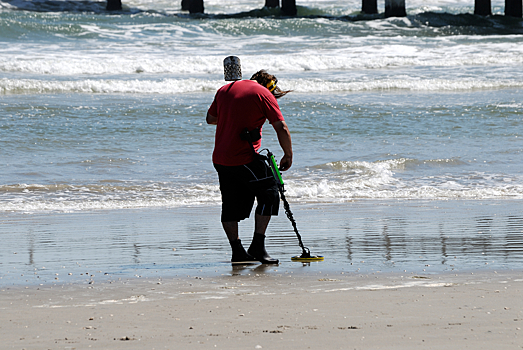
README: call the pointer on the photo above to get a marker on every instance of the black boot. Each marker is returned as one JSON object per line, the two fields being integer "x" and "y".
{"x": 239, "y": 255}
{"x": 257, "y": 249}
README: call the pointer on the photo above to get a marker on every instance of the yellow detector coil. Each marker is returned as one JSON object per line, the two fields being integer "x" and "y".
{"x": 311, "y": 258}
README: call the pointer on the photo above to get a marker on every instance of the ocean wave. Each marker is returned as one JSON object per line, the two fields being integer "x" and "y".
{"x": 328, "y": 192}
{"x": 388, "y": 165}
{"x": 326, "y": 183}
{"x": 393, "y": 56}
{"x": 175, "y": 86}
{"x": 407, "y": 84}
{"x": 122, "y": 195}
{"x": 164, "y": 86}
{"x": 400, "y": 178}
{"x": 379, "y": 181}
{"x": 70, "y": 66}
{"x": 320, "y": 191}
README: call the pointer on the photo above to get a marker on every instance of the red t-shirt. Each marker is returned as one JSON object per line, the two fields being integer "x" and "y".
{"x": 239, "y": 105}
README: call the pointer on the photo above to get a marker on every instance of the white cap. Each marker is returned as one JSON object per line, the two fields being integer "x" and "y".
{"x": 232, "y": 68}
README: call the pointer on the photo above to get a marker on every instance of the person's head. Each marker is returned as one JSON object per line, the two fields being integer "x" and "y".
{"x": 232, "y": 68}
{"x": 269, "y": 81}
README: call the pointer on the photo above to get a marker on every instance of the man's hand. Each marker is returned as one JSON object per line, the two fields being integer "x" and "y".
{"x": 284, "y": 138}
{"x": 285, "y": 163}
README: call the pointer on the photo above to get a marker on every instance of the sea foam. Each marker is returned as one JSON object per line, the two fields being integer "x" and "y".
{"x": 175, "y": 86}
{"x": 387, "y": 57}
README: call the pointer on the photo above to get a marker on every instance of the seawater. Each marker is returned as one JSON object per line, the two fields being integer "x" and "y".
{"x": 106, "y": 111}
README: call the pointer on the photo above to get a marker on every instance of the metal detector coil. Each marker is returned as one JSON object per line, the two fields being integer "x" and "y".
{"x": 311, "y": 258}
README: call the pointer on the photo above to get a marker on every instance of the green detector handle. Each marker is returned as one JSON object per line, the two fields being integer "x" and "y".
{"x": 275, "y": 170}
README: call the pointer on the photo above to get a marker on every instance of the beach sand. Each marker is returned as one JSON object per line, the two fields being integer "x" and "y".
{"x": 252, "y": 309}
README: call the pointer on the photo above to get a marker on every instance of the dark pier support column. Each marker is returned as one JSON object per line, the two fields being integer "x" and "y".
{"x": 114, "y": 5}
{"x": 395, "y": 8}
{"x": 272, "y": 3}
{"x": 288, "y": 7}
{"x": 369, "y": 7}
{"x": 193, "y": 6}
{"x": 513, "y": 8}
{"x": 482, "y": 7}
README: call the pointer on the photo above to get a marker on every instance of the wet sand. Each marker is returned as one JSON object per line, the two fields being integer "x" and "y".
{"x": 253, "y": 309}
{"x": 362, "y": 237}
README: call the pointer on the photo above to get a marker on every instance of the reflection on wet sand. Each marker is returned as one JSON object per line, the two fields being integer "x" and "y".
{"x": 398, "y": 240}
{"x": 360, "y": 236}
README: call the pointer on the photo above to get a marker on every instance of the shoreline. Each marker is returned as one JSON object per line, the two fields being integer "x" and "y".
{"x": 358, "y": 311}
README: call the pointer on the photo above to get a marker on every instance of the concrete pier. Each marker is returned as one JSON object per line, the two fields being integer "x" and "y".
{"x": 395, "y": 8}
{"x": 482, "y": 7}
{"x": 288, "y": 7}
{"x": 369, "y": 7}
{"x": 513, "y": 8}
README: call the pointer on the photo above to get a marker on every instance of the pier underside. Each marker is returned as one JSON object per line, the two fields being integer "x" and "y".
{"x": 393, "y": 8}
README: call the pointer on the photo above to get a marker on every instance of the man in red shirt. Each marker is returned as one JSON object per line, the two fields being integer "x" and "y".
{"x": 240, "y": 105}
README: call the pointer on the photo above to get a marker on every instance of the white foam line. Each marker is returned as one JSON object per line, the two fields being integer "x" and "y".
{"x": 131, "y": 300}
{"x": 174, "y": 86}
{"x": 63, "y": 306}
{"x": 214, "y": 297}
{"x": 384, "y": 287}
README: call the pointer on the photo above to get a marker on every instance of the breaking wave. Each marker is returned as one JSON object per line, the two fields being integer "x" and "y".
{"x": 324, "y": 183}
{"x": 175, "y": 86}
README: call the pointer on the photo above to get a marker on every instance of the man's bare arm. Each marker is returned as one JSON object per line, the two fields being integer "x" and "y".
{"x": 284, "y": 138}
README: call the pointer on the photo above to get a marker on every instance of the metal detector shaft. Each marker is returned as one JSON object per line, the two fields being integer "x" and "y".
{"x": 275, "y": 170}
{"x": 288, "y": 212}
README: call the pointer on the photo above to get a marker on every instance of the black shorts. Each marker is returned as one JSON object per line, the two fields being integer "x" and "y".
{"x": 239, "y": 186}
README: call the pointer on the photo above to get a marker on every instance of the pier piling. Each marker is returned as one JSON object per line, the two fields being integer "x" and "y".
{"x": 193, "y": 6}
{"x": 288, "y": 7}
{"x": 113, "y": 5}
{"x": 395, "y": 8}
{"x": 513, "y": 8}
{"x": 369, "y": 6}
{"x": 482, "y": 8}
{"x": 272, "y": 3}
